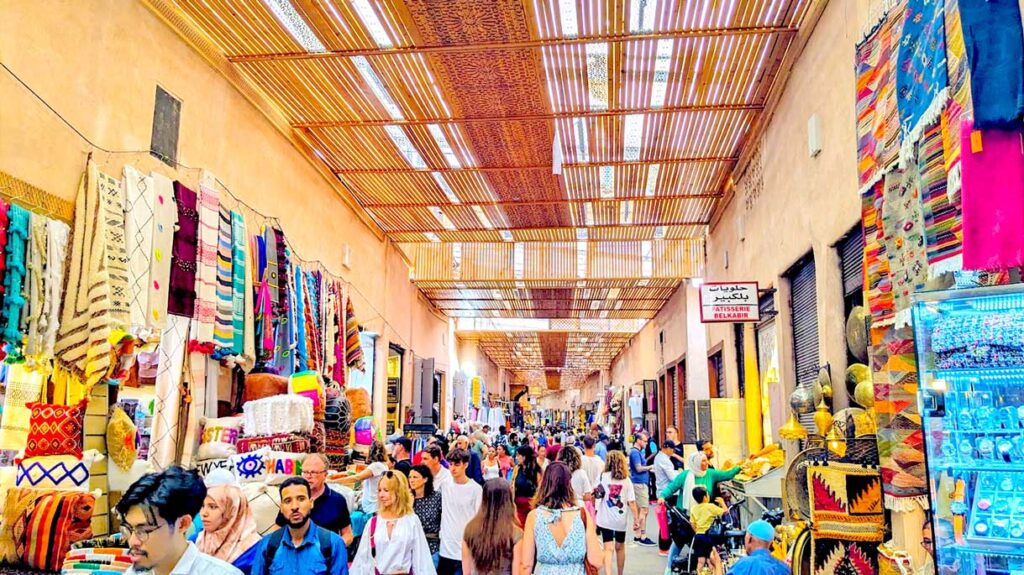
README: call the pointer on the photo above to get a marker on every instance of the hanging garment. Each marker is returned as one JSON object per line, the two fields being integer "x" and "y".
{"x": 165, "y": 217}
{"x": 995, "y": 49}
{"x": 57, "y": 236}
{"x": 182, "y": 297}
{"x": 163, "y": 444}
{"x": 263, "y": 310}
{"x": 14, "y": 278}
{"x": 993, "y": 198}
{"x": 223, "y": 331}
{"x": 922, "y": 83}
{"x": 23, "y": 387}
{"x": 83, "y": 345}
{"x": 4, "y": 208}
{"x": 248, "y": 358}
{"x": 353, "y": 350}
{"x": 139, "y": 220}
{"x": 35, "y": 316}
{"x": 237, "y": 283}
{"x": 206, "y": 263}
{"x": 284, "y": 357}
{"x": 112, "y": 199}
{"x": 301, "y": 351}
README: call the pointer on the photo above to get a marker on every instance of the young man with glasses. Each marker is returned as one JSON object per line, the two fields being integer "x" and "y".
{"x": 156, "y": 513}
{"x": 461, "y": 500}
{"x": 330, "y": 510}
{"x": 300, "y": 548}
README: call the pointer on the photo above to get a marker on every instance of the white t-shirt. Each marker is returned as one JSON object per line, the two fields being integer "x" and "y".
{"x": 594, "y": 466}
{"x": 613, "y": 510}
{"x": 580, "y": 485}
{"x": 370, "y": 486}
{"x": 636, "y": 407}
{"x": 664, "y": 471}
{"x": 461, "y": 502}
{"x": 491, "y": 472}
{"x": 442, "y": 478}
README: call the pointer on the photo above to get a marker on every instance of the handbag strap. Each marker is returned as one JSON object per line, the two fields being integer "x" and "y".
{"x": 373, "y": 544}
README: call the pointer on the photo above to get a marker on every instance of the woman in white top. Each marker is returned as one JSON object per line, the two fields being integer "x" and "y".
{"x": 612, "y": 520}
{"x": 490, "y": 465}
{"x": 378, "y": 464}
{"x": 393, "y": 541}
{"x": 581, "y": 486}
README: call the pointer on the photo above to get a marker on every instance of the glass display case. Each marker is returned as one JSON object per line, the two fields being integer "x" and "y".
{"x": 970, "y": 358}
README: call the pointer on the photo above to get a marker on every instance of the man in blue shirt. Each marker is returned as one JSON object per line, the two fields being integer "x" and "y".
{"x": 601, "y": 448}
{"x": 759, "y": 561}
{"x": 300, "y": 548}
{"x": 640, "y": 475}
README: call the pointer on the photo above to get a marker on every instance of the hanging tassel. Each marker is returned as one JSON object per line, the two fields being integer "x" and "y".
{"x": 556, "y": 154}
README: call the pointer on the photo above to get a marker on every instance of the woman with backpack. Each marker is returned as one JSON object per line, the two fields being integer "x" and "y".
{"x": 393, "y": 542}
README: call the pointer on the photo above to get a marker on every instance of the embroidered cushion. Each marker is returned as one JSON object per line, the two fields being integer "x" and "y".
{"x": 251, "y": 467}
{"x": 55, "y": 429}
{"x": 219, "y": 438}
{"x": 289, "y": 442}
{"x": 278, "y": 414}
{"x": 204, "y": 467}
{"x": 282, "y": 465}
{"x": 265, "y": 504}
{"x": 60, "y": 472}
{"x": 58, "y": 519}
{"x": 122, "y": 441}
{"x": 318, "y": 438}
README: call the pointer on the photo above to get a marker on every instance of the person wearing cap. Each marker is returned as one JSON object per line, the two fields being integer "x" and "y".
{"x": 400, "y": 453}
{"x": 759, "y": 560}
{"x": 601, "y": 449}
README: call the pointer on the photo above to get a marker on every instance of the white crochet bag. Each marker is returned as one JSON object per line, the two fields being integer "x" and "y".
{"x": 278, "y": 414}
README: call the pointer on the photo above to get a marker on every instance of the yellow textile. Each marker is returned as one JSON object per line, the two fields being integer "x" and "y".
{"x": 23, "y": 386}
{"x": 68, "y": 388}
{"x": 703, "y": 516}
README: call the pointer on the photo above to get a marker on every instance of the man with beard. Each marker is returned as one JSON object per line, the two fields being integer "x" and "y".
{"x": 156, "y": 514}
{"x": 301, "y": 547}
{"x": 330, "y": 510}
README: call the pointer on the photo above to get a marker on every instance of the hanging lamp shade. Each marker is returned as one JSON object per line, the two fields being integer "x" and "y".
{"x": 793, "y": 429}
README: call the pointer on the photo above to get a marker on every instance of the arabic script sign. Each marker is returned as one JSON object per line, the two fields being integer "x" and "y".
{"x": 729, "y": 302}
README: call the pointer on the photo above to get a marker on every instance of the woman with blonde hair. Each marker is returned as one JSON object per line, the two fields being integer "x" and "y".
{"x": 393, "y": 541}
{"x": 615, "y": 493}
{"x": 229, "y": 528}
{"x": 492, "y": 542}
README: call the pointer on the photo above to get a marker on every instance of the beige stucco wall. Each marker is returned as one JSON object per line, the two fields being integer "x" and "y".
{"x": 644, "y": 356}
{"x": 98, "y": 63}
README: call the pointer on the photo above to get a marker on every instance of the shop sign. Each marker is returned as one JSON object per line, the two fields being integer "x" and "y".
{"x": 734, "y": 302}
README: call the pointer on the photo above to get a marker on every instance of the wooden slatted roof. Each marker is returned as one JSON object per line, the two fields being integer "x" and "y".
{"x": 442, "y": 119}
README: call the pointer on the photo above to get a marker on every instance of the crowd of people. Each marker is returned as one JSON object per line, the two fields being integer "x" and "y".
{"x": 542, "y": 502}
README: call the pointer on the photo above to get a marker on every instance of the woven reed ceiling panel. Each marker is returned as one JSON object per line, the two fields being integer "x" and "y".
{"x": 444, "y": 118}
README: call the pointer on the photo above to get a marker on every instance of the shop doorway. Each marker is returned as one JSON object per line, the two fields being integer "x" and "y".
{"x": 393, "y": 414}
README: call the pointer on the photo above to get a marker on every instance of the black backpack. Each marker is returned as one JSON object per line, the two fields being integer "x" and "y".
{"x": 326, "y": 549}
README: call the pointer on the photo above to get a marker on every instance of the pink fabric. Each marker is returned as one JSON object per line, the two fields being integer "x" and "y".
{"x": 662, "y": 513}
{"x": 993, "y": 199}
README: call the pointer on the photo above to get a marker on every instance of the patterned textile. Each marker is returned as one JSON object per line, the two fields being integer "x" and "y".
{"x": 877, "y": 118}
{"x": 4, "y": 208}
{"x": 921, "y": 78}
{"x": 248, "y": 359}
{"x": 846, "y": 502}
{"x": 299, "y": 319}
{"x": 307, "y": 384}
{"x": 165, "y": 217}
{"x": 14, "y": 278}
{"x": 182, "y": 291}
{"x": 83, "y": 346}
{"x": 278, "y": 414}
{"x": 163, "y": 446}
{"x": 55, "y": 429}
{"x": 876, "y": 262}
{"x": 281, "y": 465}
{"x": 35, "y": 317}
{"x": 112, "y": 199}
{"x": 264, "y": 312}
{"x": 238, "y": 274}
{"x": 122, "y": 443}
{"x": 318, "y": 437}
{"x": 839, "y": 557}
{"x": 139, "y": 220}
{"x": 223, "y": 331}
{"x": 995, "y": 48}
{"x": 206, "y": 258}
{"x": 97, "y": 560}
{"x": 993, "y": 198}
{"x": 289, "y": 442}
{"x": 62, "y": 472}
{"x": 960, "y": 96}
{"x": 57, "y": 237}
{"x": 336, "y": 441}
{"x": 219, "y": 438}
{"x": 942, "y": 220}
{"x": 18, "y": 505}
{"x": 353, "y": 349}
{"x": 23, "y": 387}
{"x": 205, "y": 467}
{"x": 57, "y": 520}
{"x": 903, "y": 236}
{"x": 251, "y": 466}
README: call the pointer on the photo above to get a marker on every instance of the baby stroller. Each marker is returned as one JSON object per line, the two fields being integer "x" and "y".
{"x": 681, "y": 532}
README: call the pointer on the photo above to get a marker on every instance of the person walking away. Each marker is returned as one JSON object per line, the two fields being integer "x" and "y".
{"x": 474, "y": 471}
{"x": 702, "y": 517}
{"x": 581, "y": 486}
{"x": 301, "y": 547}
{"x": 229, "y": 528}
{"x": 525, "y": 480}
{"x": 377, "y": 464}
{"x": 394, "y": 540}
{"x": 492, "y": 543}
{"x": 601, "y": 449}
{"x": 639, "y": 474}
{"x": 427, "y": 504}
{"x": 156, "y": 514}
{"x": 330, "y": 509}
{"x": 759, "y": 560}
{"x": 558, "y": 536}
{"x": 490, "y": 465}
{"x": 614, "y": 494}
{"x": 400, "y": 453}
{"x": 664, "y": 472}
{"x": 461, "y": 502}
{"x": 432, "y": 459}
{"x": 505, "y": 461}
{"x": 591, "y": 463}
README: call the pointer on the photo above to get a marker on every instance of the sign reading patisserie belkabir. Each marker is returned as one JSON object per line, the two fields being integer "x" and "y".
{"x": 732, "y": 302}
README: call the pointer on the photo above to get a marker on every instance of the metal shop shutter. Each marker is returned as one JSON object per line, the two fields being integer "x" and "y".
{"x": 804, "y": 302}
{"x": 851, "y": 259}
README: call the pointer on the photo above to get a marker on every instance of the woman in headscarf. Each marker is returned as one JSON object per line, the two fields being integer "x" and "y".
{"x": 229, "y": 528}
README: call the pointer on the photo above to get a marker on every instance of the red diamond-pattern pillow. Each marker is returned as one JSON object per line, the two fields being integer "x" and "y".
{"x": 55, "y": 429}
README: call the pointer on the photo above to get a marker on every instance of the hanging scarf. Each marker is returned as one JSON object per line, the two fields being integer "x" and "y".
{"x": 4, "y": 208}
{"x": 140, "y": 199}
{"x": 14, "y": 302}
{"x": 57, "y": 236}
{"x": 206, "y": 273}
{"x": 165, "y": 216}
{"x": 993, "y": 198}
{"x": 312, "y": 295}
{"x": 163, "y": 446}
{"x": 264, "y": 306}
{"x": 35, "y": 318}
{"x": 353, "y": 349}
{"x": 237, "y": 532}
{"x": 284, "y": 357}
{"x": 223, "y": 331}
{"x": 995, "y": 49}
{"x": 695, "y": 469}
{"x": 112, "y": 199}
{"x": 301, "y": 350}
{"x": 83, "y": 345}
{"x": 237, "y": 283}
{"x": 182, "y": 298}
{"x": 248, "y": 358}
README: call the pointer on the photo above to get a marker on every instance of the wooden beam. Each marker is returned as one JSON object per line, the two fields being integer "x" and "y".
{"x": 518, "y": 45}
{"x": 673, "y": 161}
{"x": 595, "y": 201}
{"x": 532, "y": 117}
{"x": 441, "y": 228}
